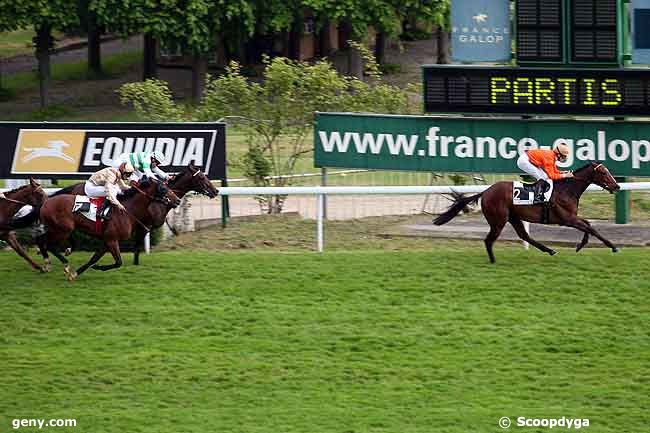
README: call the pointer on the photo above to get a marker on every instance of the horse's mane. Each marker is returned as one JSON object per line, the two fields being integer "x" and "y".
{"x": 66, "y": 190}
{"x": 144, "y": 183}
{"x": 586, "y": 166}
{"x": 175, "y": 179}
{"x": 18, "y": 189}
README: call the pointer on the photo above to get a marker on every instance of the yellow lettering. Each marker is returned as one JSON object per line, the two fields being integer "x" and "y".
{"x": 613, "y": 93}
{"x": 544, "y": 88}
{"x": 567, "y": 88}
{"x": 589, "y": 92}
{"x": 518, "y": 92}
{"x": 498, "y": 85}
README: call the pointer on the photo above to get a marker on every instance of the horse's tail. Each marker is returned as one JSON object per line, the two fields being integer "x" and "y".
{"x": 66, "y": 190}
{"x": 459, "y": 204}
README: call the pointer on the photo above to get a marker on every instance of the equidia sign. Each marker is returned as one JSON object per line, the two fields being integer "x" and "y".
{"x": 72, "y": 150}
{"x": 483, "y": 145}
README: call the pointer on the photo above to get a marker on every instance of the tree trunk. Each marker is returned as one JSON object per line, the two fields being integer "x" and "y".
{"x": 149, "y": 69}
{"x": 294, "y": 40}
{"x": 355, "y": 63}
{"x": 94, "y": 45}
{"x": 380, "y": 48}
{"x": 43, "y": 47}
{"x": 434, "y": 44}
{"x": 324, "y": 40}
{"x": 221, "y": 56}
{"x": 444, "y": 51}
{"x": 199, "y": 70}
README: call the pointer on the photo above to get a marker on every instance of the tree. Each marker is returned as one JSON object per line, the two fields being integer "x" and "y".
{"x": 277, "y": 114}
{"x": 45, "y": 16}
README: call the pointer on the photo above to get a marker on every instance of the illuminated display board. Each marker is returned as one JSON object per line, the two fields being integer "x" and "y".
{"x": 472, "y": 89}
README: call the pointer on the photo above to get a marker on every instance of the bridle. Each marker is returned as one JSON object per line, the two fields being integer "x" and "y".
{"x": 163, "y": 200}
{"x": 11, "y": 200}
{"x": 176, "y": 191}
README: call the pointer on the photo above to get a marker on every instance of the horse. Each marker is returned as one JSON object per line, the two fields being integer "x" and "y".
{"x": 497, "y": 207}
{"x": 59, "y": 220}
{"x": 31, "y": 194}
{"x": 190, "y": 179}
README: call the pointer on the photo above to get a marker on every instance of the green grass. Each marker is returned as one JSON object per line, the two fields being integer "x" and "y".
{"x": 19, "y": 42}
{"x": 364, "y": 341}
{"x": 113, "y": 65}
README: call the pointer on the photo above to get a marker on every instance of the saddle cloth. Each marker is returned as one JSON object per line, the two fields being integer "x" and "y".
{"x": 88, "y": 207}
{"x": 523, "y": 194}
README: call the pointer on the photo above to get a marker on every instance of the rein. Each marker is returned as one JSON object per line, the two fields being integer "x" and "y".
{"x": 18, "y": 201}
{"x": 143, "y": 225}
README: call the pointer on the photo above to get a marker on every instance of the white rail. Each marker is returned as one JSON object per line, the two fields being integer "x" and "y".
{"x": 322, "y": 191}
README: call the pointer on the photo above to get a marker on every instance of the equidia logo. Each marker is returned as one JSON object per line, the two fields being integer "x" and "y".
{"x": 54, "y": 149}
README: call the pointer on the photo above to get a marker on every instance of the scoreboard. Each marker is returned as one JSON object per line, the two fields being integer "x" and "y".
{"x": 522, "y": 90}
{"x": 567, "y": 31}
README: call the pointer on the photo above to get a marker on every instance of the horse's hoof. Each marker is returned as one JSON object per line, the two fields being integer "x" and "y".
{"x": 616, "y": 250}
{"x": 553, "y": 253}
{"x": 67, "y": 252}
{"x": 46, "y": 268}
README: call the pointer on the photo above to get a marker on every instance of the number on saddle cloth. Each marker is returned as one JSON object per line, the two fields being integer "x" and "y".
{"x": 523, "y": 194}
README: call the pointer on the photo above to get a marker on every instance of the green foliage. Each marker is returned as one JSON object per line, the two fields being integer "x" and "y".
{"x": 151, "y": 100}
{"x": 276, "y": 114}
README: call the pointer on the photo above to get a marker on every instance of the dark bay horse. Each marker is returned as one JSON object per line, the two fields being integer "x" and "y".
{"x": 31, "y": 194}
{"x": 190, "y": 179}
{"x": 498, "y": 209}
{"x": 59, "y": 220}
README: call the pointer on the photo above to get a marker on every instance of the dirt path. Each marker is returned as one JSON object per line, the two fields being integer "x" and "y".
{"x": 28, "y": 63}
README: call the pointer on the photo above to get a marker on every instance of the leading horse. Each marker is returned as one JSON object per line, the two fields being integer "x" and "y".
{"x": 189, "y": 179}
{"x": 59, "y": 220}
{"x": 498, "y": 208}
{"x": 31, "y": 194}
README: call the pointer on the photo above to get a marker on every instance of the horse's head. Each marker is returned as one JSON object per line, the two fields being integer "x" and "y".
{"x": 193, "y": 179}
{"x": 33, "y": 194}
{"x": 201, "y": 183}
{"x": 165, "y": 195}
{"x": 603, "y": 178}
{"x": 159, "y": 192}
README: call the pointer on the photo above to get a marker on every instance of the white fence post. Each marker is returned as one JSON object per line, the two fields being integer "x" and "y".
{"x": 319, "y": 221}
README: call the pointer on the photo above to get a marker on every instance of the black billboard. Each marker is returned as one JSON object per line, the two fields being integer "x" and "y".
{"x": 77, "y": 150}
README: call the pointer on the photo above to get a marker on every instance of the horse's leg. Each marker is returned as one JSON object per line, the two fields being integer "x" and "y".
{"x": 114, "y": 248}
{"x": 10, "y": 238}
{"x": 41, "y": 242}
{"x": 516, "y": 223}
{"x": 585, "y": 226}
{"x": 94, "y": 259}
{"x": 497, "y": 219}
{"x": 139, "y": 241}
{"x": 583, "y": 242}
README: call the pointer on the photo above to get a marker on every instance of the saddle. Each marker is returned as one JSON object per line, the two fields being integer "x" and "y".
{"x": 88, "y": 207}
{"x": 531, "y": 193}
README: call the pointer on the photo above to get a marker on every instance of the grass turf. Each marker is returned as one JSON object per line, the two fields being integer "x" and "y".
{"x": 363, "y": 341}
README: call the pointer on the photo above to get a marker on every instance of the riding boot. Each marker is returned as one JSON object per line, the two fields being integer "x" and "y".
{"x": 105, "y": 211}
{"x": 541, "y": 186}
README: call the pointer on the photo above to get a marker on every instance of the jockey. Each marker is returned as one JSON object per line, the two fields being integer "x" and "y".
{"x": 145, "y": 164}
{"x": 540, "y": 163}
{"x": 109, "y": 182}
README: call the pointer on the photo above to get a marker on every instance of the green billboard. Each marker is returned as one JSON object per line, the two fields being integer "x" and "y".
{"x": 481, "y": 145}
